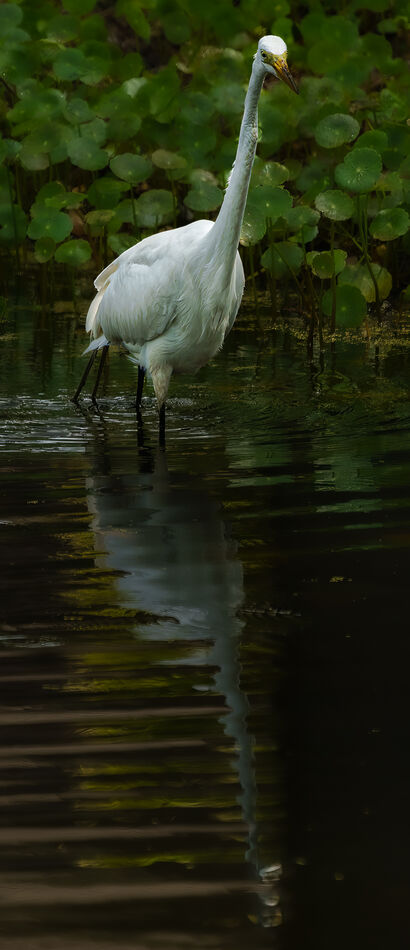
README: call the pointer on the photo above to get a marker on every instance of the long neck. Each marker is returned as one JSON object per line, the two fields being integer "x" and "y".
{"x": 224, "y": 236}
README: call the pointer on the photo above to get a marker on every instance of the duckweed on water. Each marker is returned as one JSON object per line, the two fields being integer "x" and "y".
{"x": 118, "y": 121}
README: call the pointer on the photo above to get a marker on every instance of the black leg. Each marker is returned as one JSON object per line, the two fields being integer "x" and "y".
{"x": 84, "y": 376}
{"x": 140, "y": 386}
{"x": 103, "y": 358}
{"x": 162, "y": 425}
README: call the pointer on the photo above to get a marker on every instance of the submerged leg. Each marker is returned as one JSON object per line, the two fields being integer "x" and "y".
{"x": 140, "y": 386}
{"x": 103, "y": 358}
{"x": 84, "y": 376}
{"x": 162, "y": 424}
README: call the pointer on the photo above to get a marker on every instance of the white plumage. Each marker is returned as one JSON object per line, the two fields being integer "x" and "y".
{"x": 171, "y": 299}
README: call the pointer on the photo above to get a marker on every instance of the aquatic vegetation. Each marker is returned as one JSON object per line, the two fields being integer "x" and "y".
{"x": 118, "y": 121}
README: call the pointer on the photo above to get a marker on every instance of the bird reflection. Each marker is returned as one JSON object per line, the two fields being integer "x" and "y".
{"x": 165, "y": 541}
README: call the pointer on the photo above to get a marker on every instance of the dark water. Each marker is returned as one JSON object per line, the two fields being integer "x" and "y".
{"x": 204, "y": 723}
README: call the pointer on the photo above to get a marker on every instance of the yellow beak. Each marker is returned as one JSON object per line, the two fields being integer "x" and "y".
{"x": 281, "y": 68}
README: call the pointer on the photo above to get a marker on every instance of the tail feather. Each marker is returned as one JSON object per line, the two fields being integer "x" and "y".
{"x": 91, "y": 323}
{"x": 97, "y": 344}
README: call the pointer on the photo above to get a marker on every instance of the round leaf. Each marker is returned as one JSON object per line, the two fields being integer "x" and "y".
{"x": 204, "y": 197}
{"x": 357, "y": 275}
{"x": 324, "y": 264}
{"x": 86, "y": 154}
{"x": 78, "y": 110}
{"x": 301, "y": 216}
{"x": 253, "y": 227}
{"x": 154, "y": 208}
{"x": 50, "y": 223}
{"x": 270, "y": 202}
{"x": 360, "y": 170}
{"x": 390, "y": 224}
{"x": 269, "y": 173}
{"x": 283, "y": 258}
{"x": 374, "y": 138}
{"x": 335, "y": 204}
{"x": 169, "y": 161}
{"x": 44, "y": 249}
{"x": 73, "y": 252}
{"x": 106, "y": 192}
{"x": 335, "y": 130}
{"x": 131, "y": 168}
{"x": 350, "y": 306}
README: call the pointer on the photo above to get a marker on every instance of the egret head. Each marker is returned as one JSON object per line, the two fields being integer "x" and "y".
{"x": 272, "y": 54}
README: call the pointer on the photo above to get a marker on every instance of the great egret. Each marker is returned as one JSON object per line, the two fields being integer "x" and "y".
{"x": 171, "y": 299}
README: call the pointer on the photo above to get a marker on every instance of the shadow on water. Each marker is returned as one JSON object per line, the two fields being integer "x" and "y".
{"x": 204, "y": 723}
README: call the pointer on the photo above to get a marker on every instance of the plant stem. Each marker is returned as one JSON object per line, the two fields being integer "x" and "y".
{"x": 333, "y": 282}
{"x": 362, "y": 218}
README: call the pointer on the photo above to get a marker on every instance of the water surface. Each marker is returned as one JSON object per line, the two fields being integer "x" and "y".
{"x": 204, "y": 646}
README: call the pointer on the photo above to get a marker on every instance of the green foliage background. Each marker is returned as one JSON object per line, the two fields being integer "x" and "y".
{"x": 121, "y": 119}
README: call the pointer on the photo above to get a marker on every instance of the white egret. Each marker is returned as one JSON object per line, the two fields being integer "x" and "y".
{"x": 171, "y": 299}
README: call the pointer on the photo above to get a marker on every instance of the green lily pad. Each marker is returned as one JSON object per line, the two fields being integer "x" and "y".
{"x": 301, "y": 216}
{"x": 86, "y": 154}
{"x": 78, "y": 110}
{"x": 62, "y": 28}
{"x": 70, "y": 64}
{"x": 9, "y": 149}
{"x": 170, "y": 161}
{"x": 106, "y": 192}
{"x": 44, "y": 249}
{"x": 120, "y": 242}
{"x": 74, "y": 252}
{"x": 360, "y": 170}
{"x": 154, "y": 208}
{"x": 204, "y": 197}
{"x": 335, "y": 130}
{"x": 123, "y": 128}
{"x": 10, "y": 16}
{"x": 270, "y": 202}
{"x": 176, "y": 27}
{"x": 374, "y": 138}
{"x": 350, "y": 306}
{"x": 335, "y": 204}
{"x": 197, "y": 108}
{"x": 131, "y": 168}
{"x": 99, "y": 218}
{"x": 269, "y": 173}
{"x": 253, "y": 227}
{"x": 33, "y": 161}
{"x": 53, "y": 189}
{"x": 50, "y": 223}
{"x": 324, "y": 264}
{"x": 357, "y": 275}
{"x": 283, "y": 259}
{"x": 390, "y": 224}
